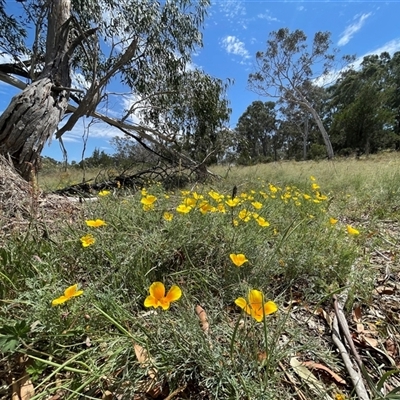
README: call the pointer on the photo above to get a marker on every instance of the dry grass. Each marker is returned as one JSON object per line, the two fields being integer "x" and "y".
{"x": 300, "y": 267}
{"x": 339, "y": 174}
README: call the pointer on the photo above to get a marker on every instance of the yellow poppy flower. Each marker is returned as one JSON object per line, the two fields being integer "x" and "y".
{"x": 272, "y": 188}
{"x": 244, "y": 215}
{"x": 256, "y": 306}
{"x": 352, "y": 231}
{"x": 233, "y": 202}
{"x": 321, "y": 196}
{"x": 148, "y": 200}
{"x": 168, "y": 216}
{"x": 95, "y": 223}
{"x": 197, "y": 196}
{"x": 221, "y": 208}
{"x": 333, "y": 221}
{"x": 214, "y": 195}
{"x": 257, "y": 205}
{"x": 188, "y": 201}
{"x": 87, "y": 240}
{"x": 238, "y": 259}
{"x": 103, "y": 193}
{"x": 69, "y": 293}
{"x": 157, "y": 297}
{"x": 183, "y": 208}
{"x": 204, "y": 207}
{"x": 262, "y": 222}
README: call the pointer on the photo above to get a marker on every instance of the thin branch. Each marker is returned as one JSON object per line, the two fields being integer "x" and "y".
{"x": 132, "y": 107}
{"x": 14, "y": 69}
{"x": 145, "y": 133}
{"x": 355, "y": 376}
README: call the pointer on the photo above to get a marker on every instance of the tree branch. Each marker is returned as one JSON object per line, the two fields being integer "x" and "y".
{"x": 14, "y": 69}
{"x": 145, "y": 133}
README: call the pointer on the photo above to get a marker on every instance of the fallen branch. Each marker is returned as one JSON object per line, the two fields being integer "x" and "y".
{"x": 355, "y": 376}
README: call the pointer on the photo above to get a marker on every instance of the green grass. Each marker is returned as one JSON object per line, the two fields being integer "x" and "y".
{"x": 86, "y": 347}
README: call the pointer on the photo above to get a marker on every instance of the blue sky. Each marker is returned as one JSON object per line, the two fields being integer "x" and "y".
{"x": 235, "y": 30}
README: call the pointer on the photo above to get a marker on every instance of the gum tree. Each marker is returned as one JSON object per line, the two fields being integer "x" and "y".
{"x": 81, "y": 46}
{"x": 256, "y": 132}
{"x": 289, "y": 66}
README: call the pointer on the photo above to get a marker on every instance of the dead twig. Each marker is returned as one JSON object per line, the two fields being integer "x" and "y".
{"x": 355, "y": 376}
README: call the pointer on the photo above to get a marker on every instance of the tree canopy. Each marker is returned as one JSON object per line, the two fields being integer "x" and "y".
{"x": 79, "y": 48}
{"x": 256, "y": 132}
{"x": 364, "y": 106}
{"x": 288, "y": 67}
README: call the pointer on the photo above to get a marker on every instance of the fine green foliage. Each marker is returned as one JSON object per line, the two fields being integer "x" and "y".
{"x": 287, "y": 68}
{"x": 282, "y": 235}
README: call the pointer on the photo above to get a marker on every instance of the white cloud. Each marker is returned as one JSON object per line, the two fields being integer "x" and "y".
{"x": 6, "y": 58}
{"x": 267, "y": 16}
{"x": 233, "y": 45}
{"x": 133, "y": 101}
{"x": 350, "y": 30}
{"x": 390, "y": 47}
{"x": 98, "y": 130}
{"x": 232, "y": 9}
{"x": 301, "y": 8}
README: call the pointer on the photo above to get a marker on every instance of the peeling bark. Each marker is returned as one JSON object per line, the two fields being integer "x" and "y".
{"x": 33, "y": 115}
{"x": 28, "y": 122}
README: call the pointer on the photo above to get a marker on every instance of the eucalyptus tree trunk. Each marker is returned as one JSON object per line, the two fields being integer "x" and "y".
{"x": 303, "y": 101}
{"x": 305, "y": 138}
{"x": 33, "y": 115}
{"x": 324, "y": 133}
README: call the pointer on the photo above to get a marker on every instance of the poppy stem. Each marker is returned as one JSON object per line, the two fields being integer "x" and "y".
{"x": 266, "y": 341}
{"x": 234, "y": 336}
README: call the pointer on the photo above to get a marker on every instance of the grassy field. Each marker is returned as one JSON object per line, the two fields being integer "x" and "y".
{"x": 249, "y": 275}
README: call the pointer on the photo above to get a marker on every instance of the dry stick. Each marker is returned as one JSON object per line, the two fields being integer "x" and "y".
{"x": 175, "y": 392}
{"x": 346, "y": 331}
{"x": 355, "y": 376}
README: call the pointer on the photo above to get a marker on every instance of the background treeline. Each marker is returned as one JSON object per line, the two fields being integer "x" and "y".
{"x": 360, "y": 110}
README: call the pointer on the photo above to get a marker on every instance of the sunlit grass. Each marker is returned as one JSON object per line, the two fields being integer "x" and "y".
{"x": 144, "y": 263}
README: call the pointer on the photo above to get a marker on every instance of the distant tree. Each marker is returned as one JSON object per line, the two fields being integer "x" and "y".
{"x": 393, "y": 80}
{"x": 128, "y": 152}
{"x": 363, "y": 119}
{"x": 303, "y": 124}
{"x": 48, "y": 163}
{"x": 255, "y": 131}
{"x": 288, "y": 66}
{"x": 296, "y": 124}
{"x": 144, "y": 44}
{"x": 197, "y": 116}
{"x": 99, "y": 158}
